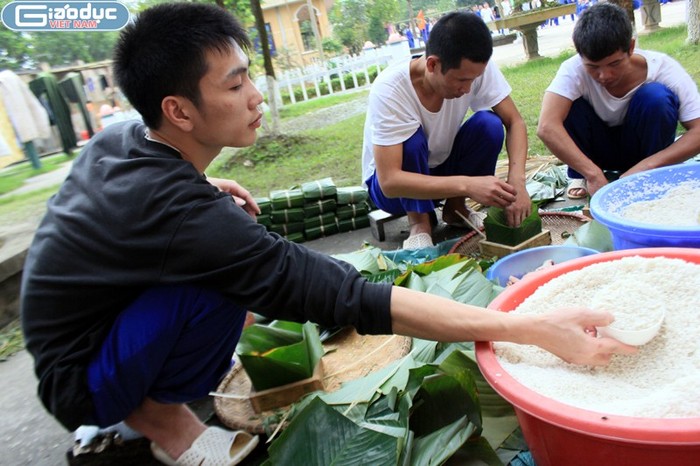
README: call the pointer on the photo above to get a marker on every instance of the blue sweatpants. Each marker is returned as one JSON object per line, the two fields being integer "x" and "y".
{"x": 173, "y": 345}
{"x": 474, "y": 153}
{"x": 649, "y": 126}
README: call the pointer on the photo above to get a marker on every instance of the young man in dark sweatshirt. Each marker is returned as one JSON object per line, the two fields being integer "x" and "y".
{"x": 136, "y": 286}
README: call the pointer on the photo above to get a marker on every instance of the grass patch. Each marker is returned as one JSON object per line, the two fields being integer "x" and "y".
{"x": 13, "y": 177}
{"x": 304, "y": 107}
{"x": 11, "y": 340}
{"x": 25, "y": 207}
{"x": 333, "y": 151}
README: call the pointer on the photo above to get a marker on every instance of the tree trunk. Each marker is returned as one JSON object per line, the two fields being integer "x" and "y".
{"x": 693, "y": 15}
{"x": 269, "y": 69}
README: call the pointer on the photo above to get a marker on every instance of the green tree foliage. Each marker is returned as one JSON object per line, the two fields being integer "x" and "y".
{"x": 332, "y": 47}
{"x": 349, "y": 18}
{"x": 14, "y": 46}
{"x": 70, "y": 48}
{"x": 356, "y": 21}
{"x": 14, "y": 49}
{"x": 26, "y": 50}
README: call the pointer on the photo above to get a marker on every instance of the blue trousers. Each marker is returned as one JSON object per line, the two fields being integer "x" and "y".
{"x": 649, "y": 126}
{"x": 474, "y": 153}
{"x": 173, "y": 344}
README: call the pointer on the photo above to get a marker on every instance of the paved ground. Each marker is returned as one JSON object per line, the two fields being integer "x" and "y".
{"x": 29, "y": 436}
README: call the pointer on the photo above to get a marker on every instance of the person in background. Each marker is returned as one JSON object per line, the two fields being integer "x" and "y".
{"x": 409, "y": 36}
{"x": 137, "y": 284}
{"x": 417, "y": 147}
{"x": 613, "y": 109}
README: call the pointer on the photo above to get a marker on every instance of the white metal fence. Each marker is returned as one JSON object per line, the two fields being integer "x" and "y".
{"x": 319, "y": 77}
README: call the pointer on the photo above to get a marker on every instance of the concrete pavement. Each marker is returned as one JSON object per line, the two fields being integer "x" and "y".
{"x": 30, "y": 436}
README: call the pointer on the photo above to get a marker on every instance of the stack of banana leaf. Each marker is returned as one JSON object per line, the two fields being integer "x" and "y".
{"x": 265, "y": 217}
{"x": 353, "y": 208}
{"x": 314, "y": 209}
{"x": 287, "y": 213}
{"x": 320, "y": 201}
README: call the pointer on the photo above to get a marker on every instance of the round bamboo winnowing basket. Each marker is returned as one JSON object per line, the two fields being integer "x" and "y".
{"x": 561, "y": 225}
{"x": 348, "y": 356}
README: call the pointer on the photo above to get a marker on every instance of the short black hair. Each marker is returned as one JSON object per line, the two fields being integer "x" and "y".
{"x": 460, "y": 35}
{"x": 163, "y": 52}
{"x": 601, "y": 30}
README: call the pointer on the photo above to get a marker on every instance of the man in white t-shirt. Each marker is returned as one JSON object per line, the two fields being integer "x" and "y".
{"x": 612, "y": 110}
{"x": 419, "y": 149}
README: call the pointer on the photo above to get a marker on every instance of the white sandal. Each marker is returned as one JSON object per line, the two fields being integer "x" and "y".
{"x": 419, "y": 241}
{"x": 574, "y": 184}
{"x": 215, "y": 446}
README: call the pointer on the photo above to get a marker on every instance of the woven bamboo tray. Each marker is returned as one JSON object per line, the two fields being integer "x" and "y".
{"x": 348, "y": 356}
{"x": 560, "y": 225}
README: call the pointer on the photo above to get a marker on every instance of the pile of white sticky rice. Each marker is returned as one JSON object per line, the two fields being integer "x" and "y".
{"x": 679, "y": 206}
{"x": 661, "y": 380}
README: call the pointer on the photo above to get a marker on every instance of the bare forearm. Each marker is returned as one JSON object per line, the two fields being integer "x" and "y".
{"x": 516, "y": 146}
{"x": 419, "y": 186}
{"x": 569, "y": 334}
{"x": 681, "y": 150}
{"x": 431, "y": 317}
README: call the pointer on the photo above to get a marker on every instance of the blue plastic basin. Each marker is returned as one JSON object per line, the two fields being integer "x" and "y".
{"x": 521, "y": 262}
{"x": 652, "y": 184}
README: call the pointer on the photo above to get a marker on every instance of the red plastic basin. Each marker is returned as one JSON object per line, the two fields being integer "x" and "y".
{"x": 562, "y": 435}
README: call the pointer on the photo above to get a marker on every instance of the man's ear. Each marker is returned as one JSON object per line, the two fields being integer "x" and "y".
{"x": 177, "y": 110}
{"x": 632, "y": 44}
{"x": 432, "y": 64}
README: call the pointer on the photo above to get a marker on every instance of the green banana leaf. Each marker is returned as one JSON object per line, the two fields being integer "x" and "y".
{"x": 423, "y": 351}
{"x": 385, "y": 417}
{"x": 286, "y": 216}
{"x": 354, "y": 223}
{"x": 541, "y": 191}
{"x": 442, "y": 263}
{"x": 384, "y": 277}
{"x": 472, "y": 287}
{"x": 476, "y": 452}
{"x": 445, "y": 396}
{"x": 286, "y": 229}
{"x": 448, "y": 274}
{"x": 297, "y": 237}
{"x": 440, "y": 445}
{"x": 336, "y": 441}
{"x": 319, "y": 207}
{"x": 351, "y": 195}
{"x": 364, "y": 389}
{"x": 265, "y": 220}
{"x": 319, "y": 189}
{"x": 315, "y": 221}
{"x": 264, "y": 203}
{"x": 498, "y": 231}
{"x": 368, "y": 261}
{"x": 388, "y": 415}
{"x": 286, "y": 198}
{"x": 352, "y": 210}
{"x": 592, "y": 235}
{"x": 321, "y": 230}
{"x": 280, "y": 353}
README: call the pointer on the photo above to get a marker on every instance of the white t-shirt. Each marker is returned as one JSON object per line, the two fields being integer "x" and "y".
{"x": 572, "y": 82}
{"x": 394, "y": 112}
